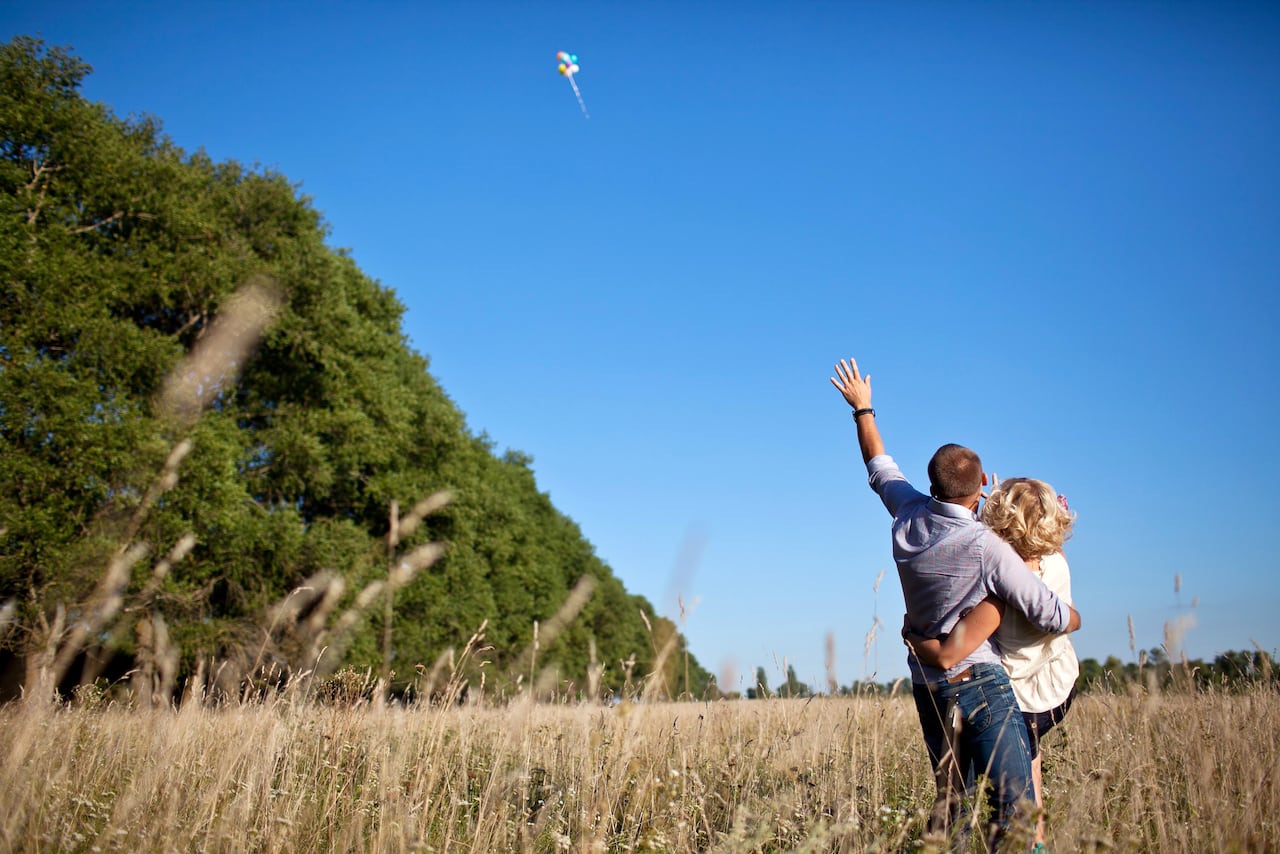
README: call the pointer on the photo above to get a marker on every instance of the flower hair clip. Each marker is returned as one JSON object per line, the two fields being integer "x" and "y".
{"x": 1062, "y": 502}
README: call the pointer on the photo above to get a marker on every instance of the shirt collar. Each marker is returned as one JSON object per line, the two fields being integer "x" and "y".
{"x": 955, "y": 511}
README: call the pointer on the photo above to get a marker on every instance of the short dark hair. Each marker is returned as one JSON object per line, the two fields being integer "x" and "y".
{"x": 954, "y": 472}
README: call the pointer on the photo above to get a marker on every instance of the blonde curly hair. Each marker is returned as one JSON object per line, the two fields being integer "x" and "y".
{"x": 1028, "y": 515}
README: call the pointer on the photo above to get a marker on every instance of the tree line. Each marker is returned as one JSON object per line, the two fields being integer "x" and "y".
{"x": 176, "y": 503}
{"x": 1232, "y": 670}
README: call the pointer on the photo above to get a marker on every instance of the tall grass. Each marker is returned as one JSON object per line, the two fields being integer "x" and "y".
{"x": 1126, "y": 772}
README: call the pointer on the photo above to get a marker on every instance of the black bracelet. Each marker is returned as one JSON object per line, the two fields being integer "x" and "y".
{"x": 867, "y": 411}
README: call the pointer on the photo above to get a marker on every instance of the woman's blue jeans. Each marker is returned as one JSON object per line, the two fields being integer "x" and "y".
{"x": 973, "y": 728}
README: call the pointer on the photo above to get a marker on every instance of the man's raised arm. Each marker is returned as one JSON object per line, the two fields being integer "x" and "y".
{"x": 857, "y": 393}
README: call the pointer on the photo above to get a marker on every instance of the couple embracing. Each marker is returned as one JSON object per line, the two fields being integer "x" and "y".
{"x": 988, "y": 611}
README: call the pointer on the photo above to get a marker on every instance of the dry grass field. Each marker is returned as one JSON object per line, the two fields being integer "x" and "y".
{"x": 1127, "y": 772}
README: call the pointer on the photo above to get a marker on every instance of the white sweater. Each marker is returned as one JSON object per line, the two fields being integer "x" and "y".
{"x": 1042, "y": 667}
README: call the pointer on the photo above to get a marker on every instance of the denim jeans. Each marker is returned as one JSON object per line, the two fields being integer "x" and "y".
{"x": 973, "y": 728}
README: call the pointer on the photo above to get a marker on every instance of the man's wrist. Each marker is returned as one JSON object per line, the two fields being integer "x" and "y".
{"x": 866, "y": 410}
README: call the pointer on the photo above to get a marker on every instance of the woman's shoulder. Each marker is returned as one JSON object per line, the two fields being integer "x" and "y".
{"x": 1055, "y": 573}
{"x": 1056, "y": 562}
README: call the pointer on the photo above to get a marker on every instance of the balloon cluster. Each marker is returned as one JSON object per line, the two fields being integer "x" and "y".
{"x": 568, "y": 63}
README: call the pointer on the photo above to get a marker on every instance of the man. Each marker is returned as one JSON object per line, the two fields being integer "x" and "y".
{"x": 948, "y": 561}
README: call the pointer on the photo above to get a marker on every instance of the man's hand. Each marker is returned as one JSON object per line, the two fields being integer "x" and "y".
{"x": 857, "y": 393}
{"x": 856, "y": 389}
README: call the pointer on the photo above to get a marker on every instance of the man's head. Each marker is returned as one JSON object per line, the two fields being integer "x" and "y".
{"x": 955, "y": 475}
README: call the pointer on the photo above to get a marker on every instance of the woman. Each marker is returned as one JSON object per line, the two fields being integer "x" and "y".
{"x": 1043, "y": 669}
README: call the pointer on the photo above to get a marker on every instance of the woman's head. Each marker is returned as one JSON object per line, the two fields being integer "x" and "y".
{"x": 1028, "y": 515}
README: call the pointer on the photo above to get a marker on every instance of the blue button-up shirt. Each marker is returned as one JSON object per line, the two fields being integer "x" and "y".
{"x": 948, "y": 561}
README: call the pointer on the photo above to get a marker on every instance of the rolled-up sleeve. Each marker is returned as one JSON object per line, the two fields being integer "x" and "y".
{"x": 1008, "y": 578}
{"x": 888, "y": 481}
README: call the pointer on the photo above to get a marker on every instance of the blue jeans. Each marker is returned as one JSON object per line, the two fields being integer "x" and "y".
{"x": 972, "y": 728}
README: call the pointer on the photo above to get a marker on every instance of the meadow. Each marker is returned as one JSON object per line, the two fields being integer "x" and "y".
{"x": 1135, "y": 770}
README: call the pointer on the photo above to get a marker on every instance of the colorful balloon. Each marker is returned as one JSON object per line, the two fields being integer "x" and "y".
{"x": 568, "y": 66}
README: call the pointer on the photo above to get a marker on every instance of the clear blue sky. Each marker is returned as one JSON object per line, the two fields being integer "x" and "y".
{"x": 1050, "y": 231}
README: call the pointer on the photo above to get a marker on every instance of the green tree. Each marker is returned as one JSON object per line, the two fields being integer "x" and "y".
{"x": 760, "y": 690}
{"x": 118, "y": 253}
{"x": 793, "y": 687}
{"x": 1240, "y": 667}
{"x": 1091, "y": 673}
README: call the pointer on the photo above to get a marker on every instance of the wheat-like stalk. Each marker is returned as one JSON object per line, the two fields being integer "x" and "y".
{"x": 1190, "y": 773}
